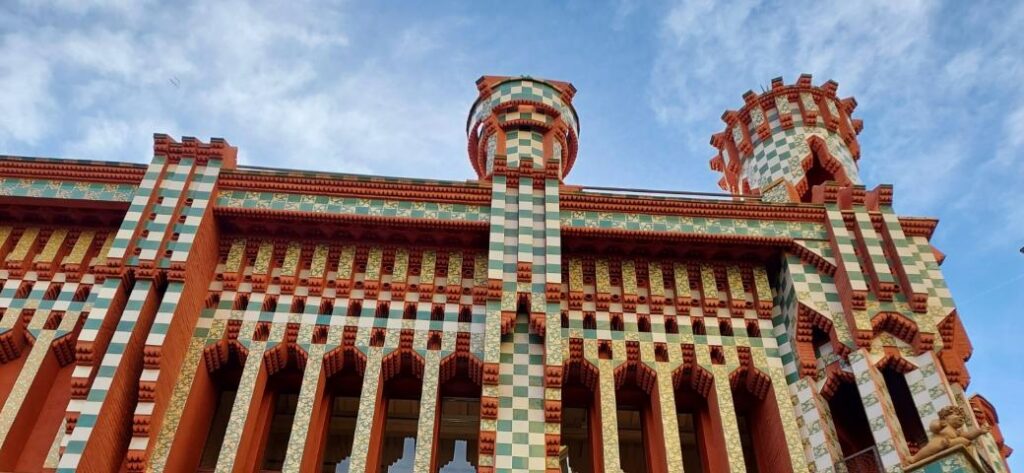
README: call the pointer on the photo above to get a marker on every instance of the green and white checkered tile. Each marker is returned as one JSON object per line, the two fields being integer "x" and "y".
{"x": 519, "y": 442}
{"x": 843, "y": 246}
{"x": 137, "y": 211}
{"x": 932, "y": 275}
{"x": 821, "y": 446}
{"x": 525, "y": 89}
{"x": 108, "y": 368}
{"x": 73, "y": 190}
{"x": 520, "y": 144}
{"x": 168, "y": 191}
{"x": 905, "y": 251}
{"x": 161, "y": 323}
{"x": 878, "y": 407}
{"x": 865, "y": 230}
{"x": 703, "y": 225}
{"x": 927, "y": 388}
{"x": 350, "y": 205}
{"x": 524, "y": 247}
{"x": 200, "y": 191}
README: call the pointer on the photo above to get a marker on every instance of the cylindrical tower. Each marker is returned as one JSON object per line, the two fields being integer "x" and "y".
{"x": 788, "y": 139}
{"x": 523, "y": 120}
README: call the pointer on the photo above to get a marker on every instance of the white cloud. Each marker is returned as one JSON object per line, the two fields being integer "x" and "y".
{"x": 909, "y": 86}
{"x": 25, "y": 102}
{"x": 287, "y": 83}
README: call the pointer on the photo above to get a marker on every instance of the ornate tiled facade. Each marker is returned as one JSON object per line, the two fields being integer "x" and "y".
{"x": 197, "y": 315}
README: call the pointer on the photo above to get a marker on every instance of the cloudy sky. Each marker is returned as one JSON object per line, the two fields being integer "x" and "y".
{"x": 385, "y": 88}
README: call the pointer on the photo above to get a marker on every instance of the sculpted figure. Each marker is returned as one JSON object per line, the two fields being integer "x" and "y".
{"x": 947, "y": 433}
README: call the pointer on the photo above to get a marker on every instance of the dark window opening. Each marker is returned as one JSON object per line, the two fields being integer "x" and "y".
{"x": 698, "y": 327}
{"x": 279, "y": 430}
{"x": 816, "y": 175}
{"x": 671, "y": 326}
{"x": 225, "y": 383}
{"x": 459, "y": 422}
{"x": 401, "y": 406}
{"x": 725, "y": 328}
{"x": 589, "y": 322}
{"x": 644, "y": 324}
{"x": 578, "y": 421}
{"x": 617, "y": 324}
{"x": 753, "y": 330}
{"x": 906, "y": 410}
{"x": 342, "y": 391}
{"x": 851, "y": 423}
{"x": 633, "y": 416}
{"x": 695, "y": 429}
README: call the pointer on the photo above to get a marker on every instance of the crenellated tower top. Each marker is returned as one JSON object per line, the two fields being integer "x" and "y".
{"x": 523, "y": 122}
{"x": 788, "y": 139}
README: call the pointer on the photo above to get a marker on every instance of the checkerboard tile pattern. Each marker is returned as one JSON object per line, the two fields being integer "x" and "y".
{"x": 350, "y": 205}
{"x": 675, "y": 223}
{"x": 529, "y": 90}
{"x": 130, "y": 318}
{"x": 520, "y": 434}
{"x": 521, "y": 144}
{"x": 927, "y": 388}
{"x": 781, "y": 155}
{"x": 51, "y": 189}
{"x": 881, "y": 415}
{"x": 821, "y": 444}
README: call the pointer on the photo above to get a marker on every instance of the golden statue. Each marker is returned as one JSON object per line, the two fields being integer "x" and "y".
{"x": 947, "y": 433}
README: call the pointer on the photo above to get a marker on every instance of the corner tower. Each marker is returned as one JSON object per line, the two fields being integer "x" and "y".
{"x": 786, "y": 140}
{"x": 524, "y": 122}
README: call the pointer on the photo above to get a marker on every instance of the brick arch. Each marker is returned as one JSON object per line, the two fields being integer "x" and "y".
{"x": 449, "y": 367}
{"x": 807, "y": 320}
{"x": 644, "y": 377}
{"x": 821, "y": 155}
{"x": 394, "y": 362}
{"x": 699, "y": 378}
{"x": 216, "y": 355}
{"x": 903, "y": 328}
{"x": 583, "y": 369}
{"x": 834, "y": 377}
{"x": 341, "y": 357}
{"x": 894, "y": 359}
{"x": 751, "y": 379}
{"x": 283, "y": 354}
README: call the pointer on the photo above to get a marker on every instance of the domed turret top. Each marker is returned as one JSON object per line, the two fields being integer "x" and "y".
{"x": 522, "y": 122}
{"x": 788, "y": 139}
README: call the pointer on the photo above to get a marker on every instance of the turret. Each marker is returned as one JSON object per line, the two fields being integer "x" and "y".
{"x": 522, "y": 122}
{"x": 788, "y": 139}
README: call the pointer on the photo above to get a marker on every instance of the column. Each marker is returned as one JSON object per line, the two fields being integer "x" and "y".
{"x": 885, "y": 428}
{"x": 430, "y": 404}
{"x": 609, "y": 415}
{"x": 300, "y": 454}
{"x": 368, "y": 421}
{"x": 665, "y": 403}
{"x": 253, "y": 379}
{"x": 722, "y": 404}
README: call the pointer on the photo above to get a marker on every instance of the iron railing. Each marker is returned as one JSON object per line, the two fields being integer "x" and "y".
{"x": 864, "y": 461}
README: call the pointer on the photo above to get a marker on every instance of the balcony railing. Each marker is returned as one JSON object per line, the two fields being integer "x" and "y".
{"x": 864, "y": 461}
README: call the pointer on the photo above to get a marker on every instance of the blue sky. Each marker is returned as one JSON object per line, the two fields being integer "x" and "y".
{"x": 385, "y": 88}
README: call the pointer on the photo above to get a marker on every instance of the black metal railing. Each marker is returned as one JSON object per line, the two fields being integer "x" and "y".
{"x": 864, "y": 461}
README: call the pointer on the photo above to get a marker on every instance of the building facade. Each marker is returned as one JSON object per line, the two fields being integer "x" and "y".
{"x": 197, "y": 315}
